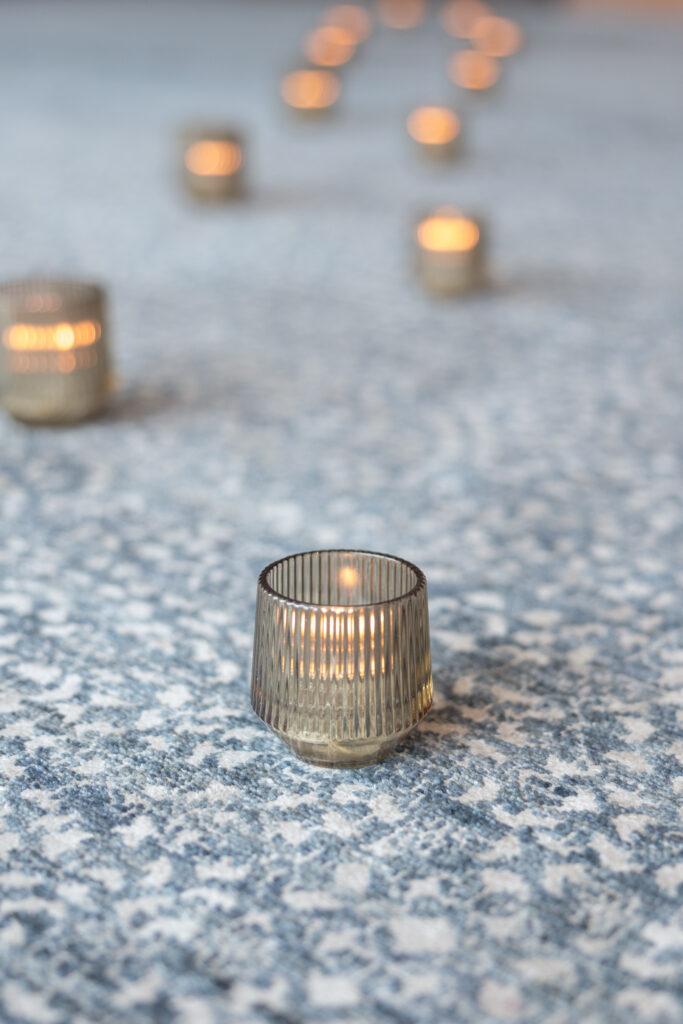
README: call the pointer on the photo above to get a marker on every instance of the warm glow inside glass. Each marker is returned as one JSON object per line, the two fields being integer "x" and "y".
{"x": 401, "y": 14}
{"x": 342, "y": 664}
{"x": 473, "y": 70}
{"x": 329, "y": 46}
{"x": 310, "y": 90}
{"x": 54, "y": 365}
{"x": 436, "y": 130}
{"x": 352, "y": 17}
{"x": 459, "y": 17}
{"x": 213, "y": 163}
{"x": 449, "y": 252}
{"x": 496, "y": 37}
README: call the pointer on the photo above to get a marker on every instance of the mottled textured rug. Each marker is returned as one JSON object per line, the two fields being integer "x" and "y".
{"x": 285, "y": 386}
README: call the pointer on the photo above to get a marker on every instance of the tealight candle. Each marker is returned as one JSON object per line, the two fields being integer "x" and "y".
{"x": 496, "y": 37}
{"x": 342, "y": 665}
{"x": 352, "y": 17}
{"x": 450, "y": 254}
{"x": 401, "y": 14}
{"x": 213, "y": 163}
{"x": 436, "y": 130}
{"x": 473, "y": 70}
{"x": 54, "y": 365}
{"x": 310, "y": 91}
{"x": 329, "y": 46}
{"x": 459, "y": 17}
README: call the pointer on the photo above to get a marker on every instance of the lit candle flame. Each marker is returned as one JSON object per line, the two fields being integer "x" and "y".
{"x": 213, "y": 158}
{"x": 448, "y": 231}
{"x": 310, "y": 90}
{"x": 497, "y": 37}
{"x": 330, "y": 46}
{"x": 433, "y": 126}
{"x": 401, "y": 14}
{"x": 54, "y": 337}
{"x": 471, "y": 69}
{"x": 353, "y": 18}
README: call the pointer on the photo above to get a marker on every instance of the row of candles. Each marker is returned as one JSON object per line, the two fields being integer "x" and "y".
{"x": 54, "y": 360}
{"x": 341, "y": 669}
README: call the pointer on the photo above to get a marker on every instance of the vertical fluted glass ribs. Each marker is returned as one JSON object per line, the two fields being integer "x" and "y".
{"x": 342, "y": 666}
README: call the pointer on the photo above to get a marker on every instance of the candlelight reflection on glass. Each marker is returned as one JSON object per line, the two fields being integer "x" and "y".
{"x": 459, "y": 17}
{"x": 329, "y": 46}
{"x": 496, "y": 37}
{"x": 401, "y": 14}
{"x": 352, "y": 17}
{"x": 213, "y": 163}
{"x": 310, "y": 91}
{"x": 436, "y": 130}
{"x": 342, "y": 665}
{"x": 449, "y": 252}
{"x": 54, "y": 365}
{"x": 473, "y": 70}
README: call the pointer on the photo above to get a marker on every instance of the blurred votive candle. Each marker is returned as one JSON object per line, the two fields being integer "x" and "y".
{"x": 496, "y": 37}
{"x": 436, "y": 131}
{"x": 459, "y": 17}
{"x": 54, "y": 365}
{"x": 213, "y": 163}
{"x": 329, "y": 46}
{"x": 401, "y": 14}
{"x": 449, "y": 252}
{"x": 310, "y": 91}
{"x": 352, "y": 17}
{"x": 474, "y": 71}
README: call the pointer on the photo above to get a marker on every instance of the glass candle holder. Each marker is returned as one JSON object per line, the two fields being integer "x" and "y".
{"x": 342, "y": 663}
{"x": 329, "y": 46}
{"x": 213, "y": 163}
{"x": 54, "y": 365}
{"x": 435, "y": 130}
{"x": 459, "y": 17}
{"x": 496, "y": 37}
{"x": 449, "y": 252}
{"x": 310, "y": 92}
{"x": 354, "y": 18}
{"x": 473, "y": 70}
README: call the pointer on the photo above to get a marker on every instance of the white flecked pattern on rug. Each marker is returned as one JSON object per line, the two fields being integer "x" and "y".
{"x": 284, "y": 386}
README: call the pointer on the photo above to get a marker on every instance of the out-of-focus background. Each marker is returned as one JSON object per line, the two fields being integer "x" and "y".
{"x": 285, "y": 383}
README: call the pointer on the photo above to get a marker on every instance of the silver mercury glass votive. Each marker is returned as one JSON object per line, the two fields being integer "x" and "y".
{"x": 54, "y": 361}
{"x": 213, "y": 163}
{"x": 342, "y": 662}
{"x": 450, "y": 252}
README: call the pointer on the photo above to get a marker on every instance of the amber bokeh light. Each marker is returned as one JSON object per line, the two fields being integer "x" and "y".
{"x": 401, "y": 14}
{"x": 471, "y": 69}
{"x": 447, "y": 230}
{"x": 352, "y": 17}
{"x": 459, "y": 17}
{"x": 433, "y": 126}
{"x": 330, "y": 46}
{"x": 310, "y": 90}
{"x": 497, "y": 37}
{"x": 62, "y": 337}
{"x": 213, "y": 158}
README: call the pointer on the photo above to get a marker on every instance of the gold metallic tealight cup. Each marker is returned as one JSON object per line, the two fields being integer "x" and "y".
{"x": 342, "y": 663}
{"x": 435, "y": 131}
{"x": 54, "y": 360}
{"x": 213, "y": 163}
{"x": 450, "y": 252}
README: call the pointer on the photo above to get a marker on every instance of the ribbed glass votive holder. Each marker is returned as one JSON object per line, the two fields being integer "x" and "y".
{"x": 342, "y": 662}
{"x": 213, "y": 162}
{"x": 54, "y": 361}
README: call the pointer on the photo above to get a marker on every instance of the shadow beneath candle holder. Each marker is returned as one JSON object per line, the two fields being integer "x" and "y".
{"x": 141, "y": 402}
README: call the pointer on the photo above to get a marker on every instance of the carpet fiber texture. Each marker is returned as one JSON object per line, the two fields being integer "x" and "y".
{"x": 284, "y": 386}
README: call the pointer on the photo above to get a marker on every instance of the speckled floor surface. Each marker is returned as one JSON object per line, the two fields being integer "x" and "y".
{"x": 285, "y": 386}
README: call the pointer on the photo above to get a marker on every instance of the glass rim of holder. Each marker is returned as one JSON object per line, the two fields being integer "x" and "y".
{"x": 341, "y": 681}
{"x": 54, "y": 353}
{"x": 217, "y": 182}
